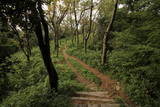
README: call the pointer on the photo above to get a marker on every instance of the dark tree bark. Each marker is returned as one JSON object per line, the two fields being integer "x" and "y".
{"x": 107, "y": 35}
{"x": 45, "y": 51}
{"x": 36, "y": 17}
{"x": 43, "y": 40}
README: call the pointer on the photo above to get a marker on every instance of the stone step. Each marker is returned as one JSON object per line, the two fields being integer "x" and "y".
{"x": 82, "y": 100}
{"x": 93, "y": 94}
{"x": 96, "y": 105}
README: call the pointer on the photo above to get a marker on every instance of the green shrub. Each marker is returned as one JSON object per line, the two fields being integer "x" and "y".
{"x": 36, "y": 96}
{"x": 29, "y": 85}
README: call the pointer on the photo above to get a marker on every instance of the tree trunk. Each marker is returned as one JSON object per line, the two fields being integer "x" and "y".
{"x": 44, "y": 45}
{"x": 28, "y": 46}
{"x": 56, "y": 45}
{"x": 72, "y": 41}
{"x": 76, "y": 23}
{"x": 45, "y": 51}
{"x": 106, "y": 35}
{"x": 90, "y": 27}
{"x": 77, "y": 35}
{"x": 56, "y": 39}
{"x": 104, "y": 50}
{"x": 85, "y": 45}
{"x": 24, "y": 48}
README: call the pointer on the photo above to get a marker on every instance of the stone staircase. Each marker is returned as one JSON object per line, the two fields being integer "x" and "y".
{"x": 93, "y": 99}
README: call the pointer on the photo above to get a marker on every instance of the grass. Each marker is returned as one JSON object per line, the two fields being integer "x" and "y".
{"x": 92, "y": 57}
{"x": 29, "y": 81}
{"x": 89, "y": 75}
{"x": 128, "y": 68}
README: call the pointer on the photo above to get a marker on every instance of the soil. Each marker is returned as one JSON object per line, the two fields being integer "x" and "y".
{"x": 112, "y": 86}
{"x": 80, "y": 78}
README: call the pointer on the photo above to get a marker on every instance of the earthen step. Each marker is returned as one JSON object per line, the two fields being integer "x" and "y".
{"x": 93, "y": 94}
{"x": 91, "y": 100}
{"x": 96, "y": 105}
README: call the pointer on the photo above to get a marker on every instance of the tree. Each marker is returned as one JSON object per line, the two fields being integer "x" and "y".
{"x": 8, "y": 42}
{"x": 24, "y": 42}
{"x": 107, "y": 34}
{"x": 44, "y": 45}
{"x": 57, "y": 13}
{"x": 15, "y": 10}
{"x": 136, "y": 47}
{"x": 79, "y": 9}
{"x": 90, "y": 27}
{"x": 76, "y": 21}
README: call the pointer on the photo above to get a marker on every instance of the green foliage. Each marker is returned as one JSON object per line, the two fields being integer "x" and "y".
{"x": 29, "y": 85}
{"x": 134, "y": 58}
{"x": 4, "y": 85}
{"x": 137, "y": 67}
{"x": 120, "y": 101}
{"x": 92, "y": 57}
{"x": 8, "y": 44}
{"x": 89, "y": 75}
{"x": 36, "y": 96}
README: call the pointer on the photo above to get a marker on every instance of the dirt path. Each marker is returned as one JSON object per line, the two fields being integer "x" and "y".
{"x": 112, "y": 86}
{"x": 80, "y": 78}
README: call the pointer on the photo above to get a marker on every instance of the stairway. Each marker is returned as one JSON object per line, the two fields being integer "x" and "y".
{"x": 93, "y": 99}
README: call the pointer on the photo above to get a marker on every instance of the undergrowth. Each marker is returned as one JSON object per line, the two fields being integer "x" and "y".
{"x": 89, "y": 75}
{"x": 136, "y": 67}
{"x": 28, "y": 83}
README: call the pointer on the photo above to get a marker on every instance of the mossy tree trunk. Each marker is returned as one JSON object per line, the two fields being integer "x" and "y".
{"x": 107, "y": 34}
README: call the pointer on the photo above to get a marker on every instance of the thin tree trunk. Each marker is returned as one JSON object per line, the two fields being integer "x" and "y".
{"x": 90, "y": 28}
{"x": 27, "y": 38}
{"x": 76, "y": 23}
{"x": 107, "y": 34}
{"x": 85, "y": 45}
{"x": 56, "y": 44}
{"x": 83, "y": 33}
{"x": 56, "y": 39}
{"x": 21, "y": 43}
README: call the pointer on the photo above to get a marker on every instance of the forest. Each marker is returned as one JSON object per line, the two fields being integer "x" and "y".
{"x": 79, "y": 53}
